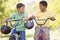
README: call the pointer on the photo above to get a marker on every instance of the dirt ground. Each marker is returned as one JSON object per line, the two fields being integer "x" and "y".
{"x": 54, "y": 35}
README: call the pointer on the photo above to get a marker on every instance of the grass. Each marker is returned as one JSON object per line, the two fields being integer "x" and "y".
{"x": 55, "y": 35}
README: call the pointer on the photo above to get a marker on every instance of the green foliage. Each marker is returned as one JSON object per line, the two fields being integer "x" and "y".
{"x": 8, "y": 6}
{"x": 4, "y": 10}
{"x": 55, "y": 8}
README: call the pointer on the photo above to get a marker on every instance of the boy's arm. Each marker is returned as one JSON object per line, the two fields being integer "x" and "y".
{"x": 6, "y": 19}
{"x": 26, "y": 18}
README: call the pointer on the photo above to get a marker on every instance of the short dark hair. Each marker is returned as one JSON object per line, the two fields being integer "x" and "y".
{"x": 20, "y": 5}
{"x": 44, "y": 3}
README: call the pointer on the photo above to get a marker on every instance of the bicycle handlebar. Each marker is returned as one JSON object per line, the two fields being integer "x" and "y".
{"x": 13, "y": 20}
{"x": 43, "y": 20}
{"x": 34, "y": 19}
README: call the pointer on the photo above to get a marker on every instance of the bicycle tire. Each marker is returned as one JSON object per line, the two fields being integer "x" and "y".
{"x": 13, "y": 37}
{"x": 40, "y": 38}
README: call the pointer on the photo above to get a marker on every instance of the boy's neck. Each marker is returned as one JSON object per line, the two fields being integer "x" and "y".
{"x": 19, "y": 13}
{"x": 43, "y": 10}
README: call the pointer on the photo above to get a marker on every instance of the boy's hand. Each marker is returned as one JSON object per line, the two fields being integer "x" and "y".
{"x": 32, "y": 17}
{"x": 52, "y": 18}
{"x": 4, "y": 21}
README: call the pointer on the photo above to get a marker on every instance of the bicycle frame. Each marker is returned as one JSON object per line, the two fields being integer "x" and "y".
{"x": 14, "y": 26}
{"x": 14, "y": 32}
{"x": 41, "y": 35}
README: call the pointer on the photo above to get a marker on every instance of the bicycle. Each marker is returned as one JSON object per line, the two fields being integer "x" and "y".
{"x": 41, "y": 35}
{"x": 15, "y": 35}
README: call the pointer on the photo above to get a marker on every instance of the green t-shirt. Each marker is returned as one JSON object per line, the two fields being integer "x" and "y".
{"x": 16, "y": 16}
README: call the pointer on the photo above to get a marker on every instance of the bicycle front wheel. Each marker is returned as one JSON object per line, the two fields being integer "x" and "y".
{"x": 40, "y": 38}
{"x": 13, "y": 37}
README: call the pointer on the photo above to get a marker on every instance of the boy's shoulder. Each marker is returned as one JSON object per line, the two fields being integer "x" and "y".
{"x": 14, "y": 13}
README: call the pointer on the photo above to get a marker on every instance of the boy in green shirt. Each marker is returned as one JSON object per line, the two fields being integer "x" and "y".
{"x": 20, "y": 14}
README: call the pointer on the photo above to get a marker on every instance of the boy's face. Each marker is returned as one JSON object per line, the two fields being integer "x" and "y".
{"x": 21, "y": 9}
{"x": 42, "y": 7}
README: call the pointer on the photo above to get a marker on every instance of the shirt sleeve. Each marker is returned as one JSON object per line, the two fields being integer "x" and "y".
{"x": 25, "y": 15}
{"x": 52, "y": 15}
{"x": 12, "y": 16}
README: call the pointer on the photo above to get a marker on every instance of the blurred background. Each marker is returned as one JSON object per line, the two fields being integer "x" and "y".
{"x": 9, "y": 6}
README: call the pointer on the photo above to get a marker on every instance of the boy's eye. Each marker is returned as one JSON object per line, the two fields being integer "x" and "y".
{"x": 40, "y": 5}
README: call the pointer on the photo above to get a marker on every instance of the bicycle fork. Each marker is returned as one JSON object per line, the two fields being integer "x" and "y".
{"x": 41, "y": 35}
